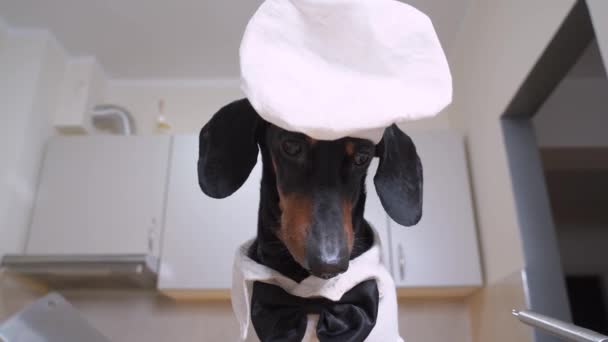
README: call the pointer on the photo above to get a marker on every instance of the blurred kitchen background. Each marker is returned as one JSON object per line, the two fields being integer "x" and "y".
{"x": 101, "y": 103}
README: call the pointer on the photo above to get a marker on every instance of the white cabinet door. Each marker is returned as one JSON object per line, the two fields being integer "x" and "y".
{"x": 375, "y": 214}
{"x": 202, "y": 234}
{"x": 100, "y": 195}
{"x": 442, "y": 249}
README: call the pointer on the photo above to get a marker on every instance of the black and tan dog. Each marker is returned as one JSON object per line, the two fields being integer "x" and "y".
{"x": 312, "y": 194}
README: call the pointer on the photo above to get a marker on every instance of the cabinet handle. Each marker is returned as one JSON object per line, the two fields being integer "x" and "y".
{"x": 150, "y": 241}
{"x": 401, "y": 261}
{"x": 152, "y": 236}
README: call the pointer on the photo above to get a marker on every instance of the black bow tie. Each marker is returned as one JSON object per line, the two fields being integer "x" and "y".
{"x": 279, "y": 316}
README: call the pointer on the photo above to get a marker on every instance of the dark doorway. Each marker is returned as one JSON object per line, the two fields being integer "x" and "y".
{"x": 587, "y": 302}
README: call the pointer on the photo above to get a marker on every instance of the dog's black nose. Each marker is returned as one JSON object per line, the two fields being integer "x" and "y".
{"x": 327, "y": 252}
{"x": 327, "y": 268}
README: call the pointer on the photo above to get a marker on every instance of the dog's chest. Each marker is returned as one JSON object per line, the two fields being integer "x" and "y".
{"x": 364, "y": 268}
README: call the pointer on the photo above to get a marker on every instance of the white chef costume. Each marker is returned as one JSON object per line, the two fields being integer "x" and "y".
{"x": 365, "y": 267}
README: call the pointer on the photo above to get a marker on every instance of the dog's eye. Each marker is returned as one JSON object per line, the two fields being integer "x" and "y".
{"x": 361, "y": 158}
{"x": 291, "y": 147}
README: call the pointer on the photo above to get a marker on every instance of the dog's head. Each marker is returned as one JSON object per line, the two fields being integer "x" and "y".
{"x": 316, "y": 183}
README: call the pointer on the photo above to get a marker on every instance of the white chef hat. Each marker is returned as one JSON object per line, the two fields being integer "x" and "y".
{"x": 337, "y": 68}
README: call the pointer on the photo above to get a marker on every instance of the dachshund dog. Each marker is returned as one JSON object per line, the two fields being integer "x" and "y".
{"x": 312, "y": 195}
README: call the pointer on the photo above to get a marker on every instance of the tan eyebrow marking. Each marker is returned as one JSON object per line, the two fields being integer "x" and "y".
{"x": 350, "y": 148}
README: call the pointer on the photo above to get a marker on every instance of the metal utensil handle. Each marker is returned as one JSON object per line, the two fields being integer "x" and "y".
{"x": 558, "y": 328}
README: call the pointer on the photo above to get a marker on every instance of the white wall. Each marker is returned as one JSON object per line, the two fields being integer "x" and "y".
{"x": 82, "y": 87}
{"x": 490, "y": 64}
{"x": 31, "y": 66}
{"x": 187, "y": 105}
{"x": 575, "y": 115}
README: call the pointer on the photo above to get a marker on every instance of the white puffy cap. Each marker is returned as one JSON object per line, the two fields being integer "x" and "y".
{"x": 337, "y": 68}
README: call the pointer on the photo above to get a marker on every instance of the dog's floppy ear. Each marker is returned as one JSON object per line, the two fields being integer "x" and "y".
{"x": 228, "y": 149}
{"x": 398, "y": 179}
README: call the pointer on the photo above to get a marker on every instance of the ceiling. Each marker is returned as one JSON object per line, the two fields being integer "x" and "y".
{"x": 160, "y": 39}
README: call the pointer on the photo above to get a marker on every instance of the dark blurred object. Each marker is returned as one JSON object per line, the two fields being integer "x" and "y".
{"x": 587, "y": 302}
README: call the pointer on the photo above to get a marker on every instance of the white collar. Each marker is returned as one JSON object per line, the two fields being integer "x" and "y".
{"x": 246, "y": 271}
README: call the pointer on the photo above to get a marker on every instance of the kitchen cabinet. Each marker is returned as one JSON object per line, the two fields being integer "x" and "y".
{"x": 375, "y": 215}
{"x": 100, "y": 195}
{"x": 438, "y": 257}
{"x": 202, "y": 234}
{"x": 441, "y": 251}
{"x": 109, "y": 195}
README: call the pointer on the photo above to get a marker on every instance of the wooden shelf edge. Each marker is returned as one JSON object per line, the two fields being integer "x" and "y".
{"x": 27, "y": 282}
{"x": 447, "y": 292}
{"x": 402, "y": 293}
{"x": 197, "y": 295}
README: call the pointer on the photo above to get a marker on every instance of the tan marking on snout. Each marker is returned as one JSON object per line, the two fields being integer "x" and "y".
{"x": 274, "y": 166}
{"x": 296, "y": 218}
{"x": 311, "y": 141}
{"x": 347, "y": 219}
